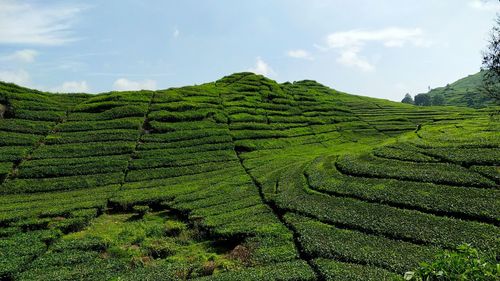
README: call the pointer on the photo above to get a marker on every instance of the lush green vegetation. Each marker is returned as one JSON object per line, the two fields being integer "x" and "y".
{"x": 466, "y": 263}
{"x": 242, "y": 179}
{"x": 468, "y": 91}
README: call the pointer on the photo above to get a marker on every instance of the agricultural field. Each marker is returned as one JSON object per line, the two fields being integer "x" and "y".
{"x": 240, "y": 179}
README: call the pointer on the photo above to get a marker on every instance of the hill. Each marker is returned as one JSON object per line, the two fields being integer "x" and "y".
{"x": 239, "y": 179}
{"x": 464, "y": 92}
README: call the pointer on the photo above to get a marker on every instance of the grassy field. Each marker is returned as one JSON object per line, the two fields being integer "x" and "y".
{"x": 240, "y": 179}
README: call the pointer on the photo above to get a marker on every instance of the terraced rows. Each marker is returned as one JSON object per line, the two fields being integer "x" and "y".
{"x": 377, "y": 211}
{"x": 314, "y": 183}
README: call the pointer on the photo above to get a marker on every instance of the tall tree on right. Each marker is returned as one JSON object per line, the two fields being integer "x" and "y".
{"x": 491, "y": 63}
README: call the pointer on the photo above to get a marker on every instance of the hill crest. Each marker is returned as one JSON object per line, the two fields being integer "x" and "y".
{"x": 239, "y": 179}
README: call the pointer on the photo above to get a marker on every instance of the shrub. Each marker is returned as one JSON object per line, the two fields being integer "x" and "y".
{"x": 54, "y": 116}
{"x": 467, "y": 156}
{"x": 477, "y": 203}
{"x": 325, "y": 241}
{"x": 5, "y": 168}
{"x": 141, "y": 210}
{"x": 73, "y": 150}
{"x": 18, "y": 250}
{"x": 340, "y": 271}
{"x": 121, "y": 123}
{"x": 403, "y": 152}
{"x": 93, "y": 136}
{"x": 443, "y": 173}
{"x": 466, "y": 263}
{"x": 61, "y": 183}
{"x": 54, "y": 167}
{"x": 25, "y": 126}
{"x": 286, "y": 271}
{"x": 185, "y": 135}
{"x": 9, "y": 138}
{"x": 70, "y": 224}
{"x": 160, "y": 248}
{"x": 174, "y": 228}
{"x": 12, "y": 153}
{"x": 390, "y": 221}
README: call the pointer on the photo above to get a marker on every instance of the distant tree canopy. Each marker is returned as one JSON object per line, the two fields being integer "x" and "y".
{"x": 491, "y": 62}
{"x": 438, "y": 100}
{"x": 423, "y": 100}
{"x": 407, "y": 99}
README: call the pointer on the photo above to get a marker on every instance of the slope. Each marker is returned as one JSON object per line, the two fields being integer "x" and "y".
{"x": 464, "y": 92}
{"x": 240, "y": 179}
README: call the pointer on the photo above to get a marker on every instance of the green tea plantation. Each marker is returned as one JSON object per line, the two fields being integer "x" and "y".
{"x": 240, "y": 179}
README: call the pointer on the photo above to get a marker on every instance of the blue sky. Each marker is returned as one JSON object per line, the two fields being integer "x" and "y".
{"x": 374, "y": 48}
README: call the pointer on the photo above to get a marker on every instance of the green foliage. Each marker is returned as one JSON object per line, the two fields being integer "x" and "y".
{"x": 93, "y": 136}
{"x": 263, "y": 181}
{"x": 438, "y": 100}
{"x": 123, "y": 111}
{"x": 468, "y": 91}
{"x": 403, "y": 152}
{"x": 481, "y": 204}
{"x": 12, "y": 153}
{"x": 467, "y": 157}
{"x": 60, "y": 183}
{"x": 321, "y": 240}
{"x": 17, "y": 139}
{"x": 124, "y": 246}
{"x": 443, "y": 173}
{"x": 18, "y": 249}
{"x": 73, "y": 150}
{"x": 53, "y": 167}
{"x": 390, "y": 221}
{"x": 423, "y": 100}
{"x": 25, "y": 126}
{"x": 120, "y": 123}
{"x": 283, "y": 271}
{"x": 141, "y": 210}
{"x": 408, "y": 99}
{"x": 339, "y": 271}
{"x": 466, "y": 263}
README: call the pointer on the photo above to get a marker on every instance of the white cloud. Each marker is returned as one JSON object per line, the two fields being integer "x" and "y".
{"x": 25, "y": 55}
{"x": 485, "y": 5}
{"x": 351, "y": 58}
{"x": 390, "y": 37}
{"x": 261, "y": 67}
{"x": 72, "y": 87}
{"x": 299, "y": 54}
{"x": 20, "y": 77}
{"x": 23, "y": 22}
{"x": 176, "y": 32}
{"x": 350, "y": 43}
{"x": 123, "y": 84}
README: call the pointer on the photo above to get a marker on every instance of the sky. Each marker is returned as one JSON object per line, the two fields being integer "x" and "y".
{"x": 383, "y": 48}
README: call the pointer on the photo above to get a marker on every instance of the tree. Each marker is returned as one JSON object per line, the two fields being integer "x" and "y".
{"x": 423, "y": 100}
{"x": 491, "y": 64}
{"x": 469, "y": 98}
{"x": 438, "y": 99}
{"x": 407, "y": 99}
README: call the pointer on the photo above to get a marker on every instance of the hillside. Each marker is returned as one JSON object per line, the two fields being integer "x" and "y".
{"x": 464, "y": 92}
{"x": 239, "y": 179}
